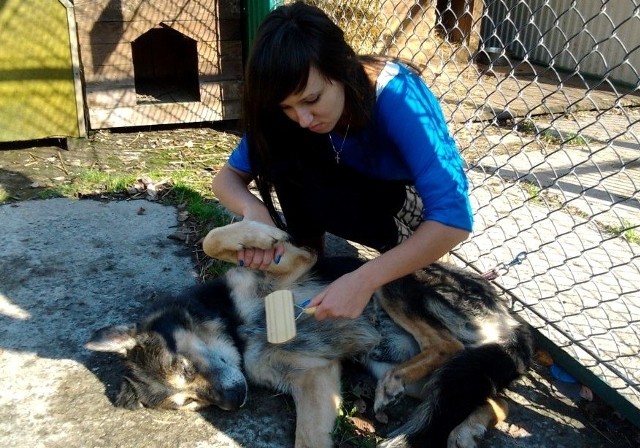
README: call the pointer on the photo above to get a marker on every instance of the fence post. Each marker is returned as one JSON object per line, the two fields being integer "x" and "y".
{"x": 255, "y": 12}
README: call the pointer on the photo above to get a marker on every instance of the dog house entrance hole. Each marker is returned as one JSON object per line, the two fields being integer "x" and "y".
{"x": 165, "y": 64}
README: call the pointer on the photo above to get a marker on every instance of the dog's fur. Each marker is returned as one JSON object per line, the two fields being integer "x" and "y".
{"x": 442, "y": 335}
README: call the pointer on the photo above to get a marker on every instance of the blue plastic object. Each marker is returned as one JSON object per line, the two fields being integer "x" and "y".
{"x": 561, "y": 375}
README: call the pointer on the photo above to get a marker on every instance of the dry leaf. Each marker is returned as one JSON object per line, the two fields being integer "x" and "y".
{"x": 544, "y": 358}
{"x": 586, "y": 393}
{"x": 363, "y": 425}
{"x": 152, "y": 193}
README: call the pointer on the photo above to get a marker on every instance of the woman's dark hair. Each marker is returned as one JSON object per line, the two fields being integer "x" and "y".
{"x": 291, "y": 40}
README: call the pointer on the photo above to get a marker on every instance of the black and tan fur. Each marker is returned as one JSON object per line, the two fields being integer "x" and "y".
{"x": 441, "y": 335}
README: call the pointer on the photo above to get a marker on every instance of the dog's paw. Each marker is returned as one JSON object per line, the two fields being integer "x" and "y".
{"x": 259, "y": 235}
{"x": 223, "y": 242}
{"x": 388, "y": 389}
{"x": 466, "y": 435}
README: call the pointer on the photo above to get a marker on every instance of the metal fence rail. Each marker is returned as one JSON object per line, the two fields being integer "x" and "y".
{"x": 543, "y": 99}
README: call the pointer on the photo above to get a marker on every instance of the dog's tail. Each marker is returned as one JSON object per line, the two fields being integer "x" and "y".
{"x": 460, "y": 386}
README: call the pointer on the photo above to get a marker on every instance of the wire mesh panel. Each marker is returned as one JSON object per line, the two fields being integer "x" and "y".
{"x": 542, "y": 97}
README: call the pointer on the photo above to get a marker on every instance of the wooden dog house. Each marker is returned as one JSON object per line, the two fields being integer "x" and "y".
{"x": 149, "y": 62}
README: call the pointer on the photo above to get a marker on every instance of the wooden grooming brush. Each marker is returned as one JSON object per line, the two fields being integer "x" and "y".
{"x": 281, "y": 318}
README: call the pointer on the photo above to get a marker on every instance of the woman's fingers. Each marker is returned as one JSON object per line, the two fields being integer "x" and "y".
{"x": 319, "y": 313}
{"x": 241, "y": 257}
{"x": 278, "y": 253}
{"x": 260, "y": 259}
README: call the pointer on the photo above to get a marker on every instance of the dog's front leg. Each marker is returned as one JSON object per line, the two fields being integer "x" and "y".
{"x": 316, "y": 393}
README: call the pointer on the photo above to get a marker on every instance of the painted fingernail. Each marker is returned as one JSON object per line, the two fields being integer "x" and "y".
{"x": 278, "y": 258}
{"x": 241, "y": 263}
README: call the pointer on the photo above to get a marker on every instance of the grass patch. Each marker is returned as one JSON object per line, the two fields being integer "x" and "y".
{"x": 93, "y": 180}
{"x": 200, "y": 208}
{"x": 49, "y": 193}
{"x": 552, "y": 136}
{"x": 4, "y": 196}
{"x": 532, "y": 191}
{"x": 527, "y": 126}
{"x": 626, "y": 230}
{"x": 564, "y": 138}
{"x": 572, "y": 138}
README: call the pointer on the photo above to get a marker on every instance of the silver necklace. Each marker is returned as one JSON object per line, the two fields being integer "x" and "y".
{"x": 338, "y": 151}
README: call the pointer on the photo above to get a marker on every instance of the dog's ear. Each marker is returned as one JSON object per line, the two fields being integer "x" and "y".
{"x": 113, "y": 339}
{"x": 128, "y": 396}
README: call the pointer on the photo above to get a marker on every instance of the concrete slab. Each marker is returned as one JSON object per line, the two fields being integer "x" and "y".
{"x": 66, "y": 268}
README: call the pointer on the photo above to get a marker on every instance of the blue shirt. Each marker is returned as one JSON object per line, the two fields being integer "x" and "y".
{"x": 407, "y": 140}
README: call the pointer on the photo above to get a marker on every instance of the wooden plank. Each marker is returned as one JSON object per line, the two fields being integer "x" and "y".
{"x": 222, "y": 68}
{"x": 226, "y": 50}
{"x": 114, "y": 96}
{"x": 106, "y": 54}
{"x": 117, "y": 32}
{"x": 216, "y": 91}
{"x": 111, "y": 96}
{"x": 77, "y": 70}
{"x": 117, "y": 62}
{"x": 109, "y": 73}
{"x": 204, "y": 32}
{"x": 218, "y": 54}
{"x": 226, "y": 69}
{"x": 155, "y": 10}
{"x": 167, "y": 113}
{"x": 103, "y": 86}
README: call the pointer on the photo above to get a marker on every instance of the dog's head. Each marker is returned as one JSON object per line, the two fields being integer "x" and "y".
{"x": 174, "y": 362}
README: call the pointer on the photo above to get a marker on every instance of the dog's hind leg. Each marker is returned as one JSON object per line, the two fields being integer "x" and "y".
{"x": 436, "y": 346}
{"x": 316, "y": 393}
{"x": 466, "y": 434}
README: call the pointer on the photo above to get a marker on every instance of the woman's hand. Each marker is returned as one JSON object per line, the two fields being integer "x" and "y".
{"x": 346, "y": 297}
{"x": 261, "y": 259}
{"x": 231, "y": 187}
{"x": 349, "y": 295}
{"x": 254, "y": 257}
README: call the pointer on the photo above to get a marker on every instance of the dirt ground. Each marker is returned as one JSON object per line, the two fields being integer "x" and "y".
{"x": 545, "y": 412}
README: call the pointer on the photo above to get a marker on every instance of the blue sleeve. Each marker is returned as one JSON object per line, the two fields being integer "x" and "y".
{"x": 239, "y": 158}
{"x": 412, "y": 118}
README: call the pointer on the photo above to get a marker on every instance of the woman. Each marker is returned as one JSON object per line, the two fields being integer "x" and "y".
{"x": 355, "y": 146}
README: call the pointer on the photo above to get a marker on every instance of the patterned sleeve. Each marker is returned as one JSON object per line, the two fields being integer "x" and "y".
{"x": 411, "y": 116}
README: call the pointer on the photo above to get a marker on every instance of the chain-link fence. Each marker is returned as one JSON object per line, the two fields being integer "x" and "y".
{"x": 543, "y": 99}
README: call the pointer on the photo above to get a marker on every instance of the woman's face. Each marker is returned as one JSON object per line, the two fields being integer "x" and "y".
{"x": 319, "y": 106}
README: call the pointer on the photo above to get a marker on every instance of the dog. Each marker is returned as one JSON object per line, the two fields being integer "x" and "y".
{"x": 442, "y": 335}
